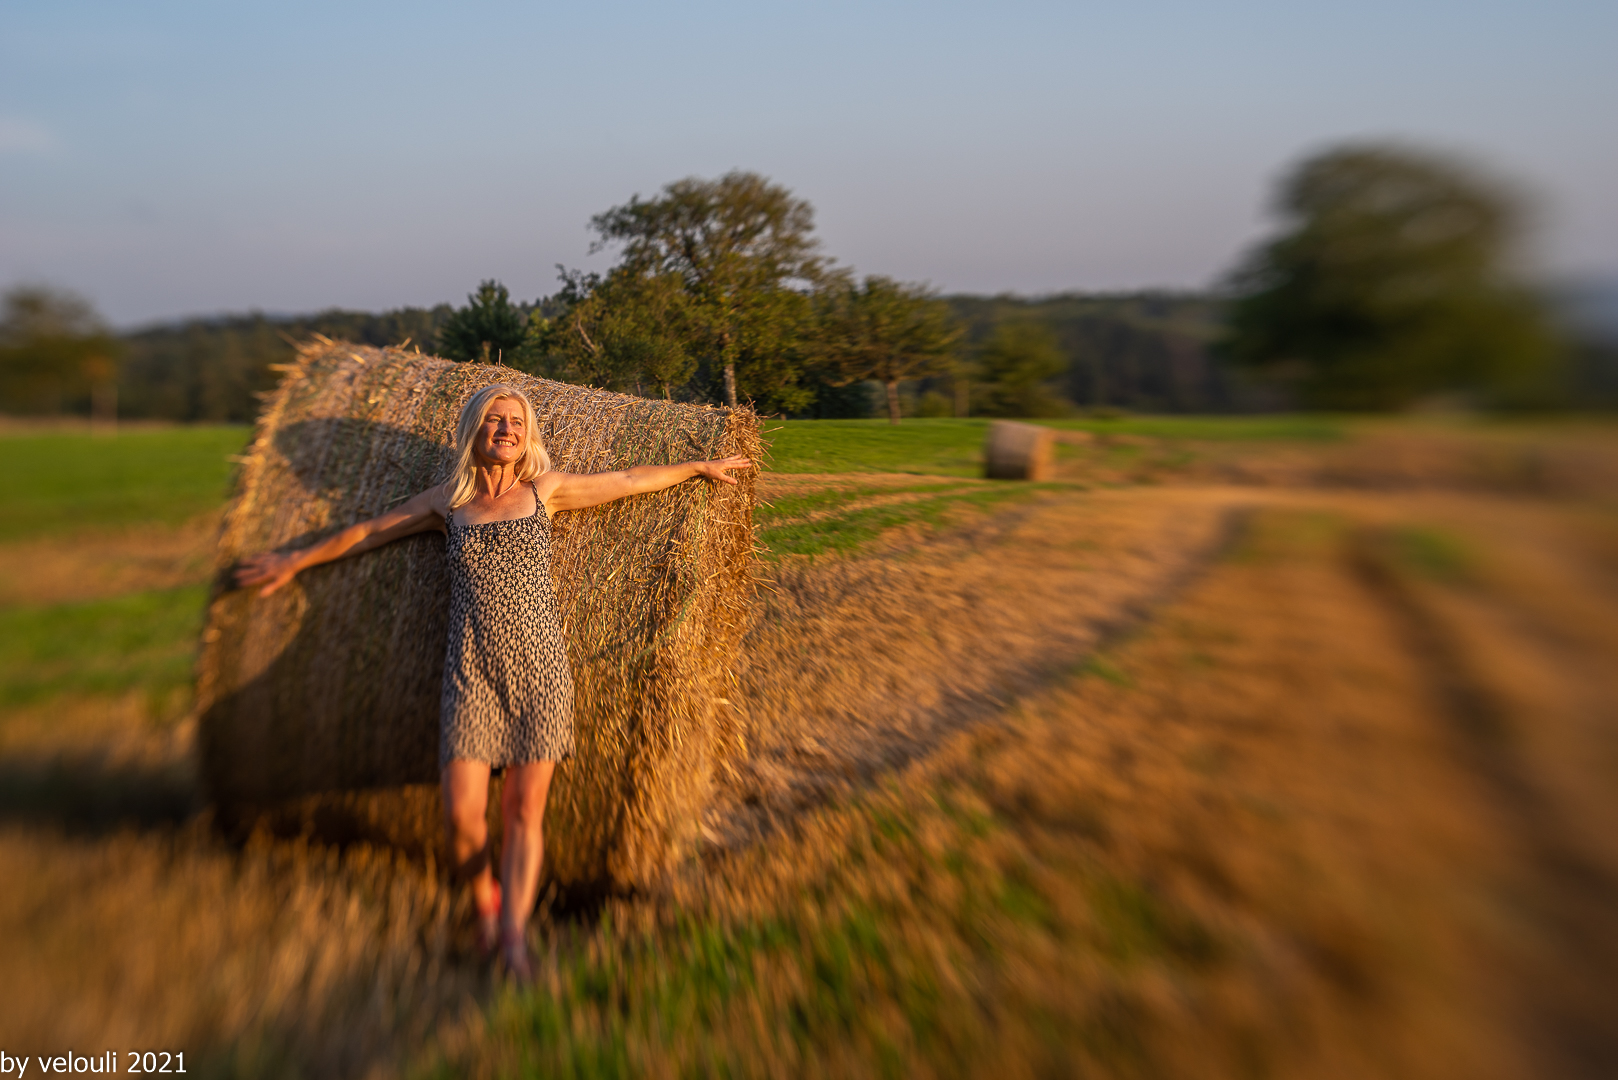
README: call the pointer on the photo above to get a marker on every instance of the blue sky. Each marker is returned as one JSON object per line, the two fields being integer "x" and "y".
{"x": 166, "y": 159}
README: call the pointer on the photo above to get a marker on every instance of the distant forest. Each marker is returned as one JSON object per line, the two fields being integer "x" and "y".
{"x": 1146, "y": 352}
{"x": 1143, "y": 352}
{"x": 210, "y": 369}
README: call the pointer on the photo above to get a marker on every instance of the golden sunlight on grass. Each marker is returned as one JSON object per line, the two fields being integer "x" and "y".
{"x": 1258, "y": 762}
{"x": 1262, "y": 843}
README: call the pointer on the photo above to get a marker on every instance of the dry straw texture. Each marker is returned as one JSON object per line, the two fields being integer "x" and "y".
{"x": 319, "y": 704}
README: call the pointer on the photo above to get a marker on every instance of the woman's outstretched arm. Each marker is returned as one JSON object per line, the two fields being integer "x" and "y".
{"x": 575, "y": 492}
{"x": 271, "y": 569}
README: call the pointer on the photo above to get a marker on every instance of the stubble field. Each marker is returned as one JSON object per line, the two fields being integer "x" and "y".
{"x": 1251, "y": 747}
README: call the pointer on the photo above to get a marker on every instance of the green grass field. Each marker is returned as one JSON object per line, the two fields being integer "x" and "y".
{"x": 845, "y": 531}
{"x": 63, "y": 483}
{"x": 955, "y": 447}
{"x": 59, "y": 485}
{"x": 144, "y": 641}
{"x": 936, "y": 447}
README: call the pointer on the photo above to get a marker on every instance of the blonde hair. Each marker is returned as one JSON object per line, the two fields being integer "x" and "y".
{"x": 463, "y": 474}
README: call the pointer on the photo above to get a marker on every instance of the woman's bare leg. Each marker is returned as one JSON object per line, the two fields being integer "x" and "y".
{"x": 466, "y": 805}
{"x": 524, "y": 850}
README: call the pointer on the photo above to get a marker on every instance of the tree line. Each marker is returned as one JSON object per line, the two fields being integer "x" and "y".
{"x": 721, "y": 293}
{"x": 1388, "y": 283}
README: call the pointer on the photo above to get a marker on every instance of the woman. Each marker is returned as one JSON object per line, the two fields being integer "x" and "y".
{"x": 508, "y": 690}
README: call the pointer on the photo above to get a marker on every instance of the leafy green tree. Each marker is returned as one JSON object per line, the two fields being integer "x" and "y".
{"x": 885, "y": 331}
{"x": 1016, "y": 365}
{"x": 54, "y": 353}
{"x": 621, "y": 331}
{"x": 742, "y": 249}
{"x": 1389, "y": 283}
{"x": 650, "y": 332}
{"x": 489, "y": 328}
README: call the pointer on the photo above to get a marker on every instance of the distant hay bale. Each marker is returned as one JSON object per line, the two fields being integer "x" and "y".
{"x": 1017, "y": 451}
{"x": 322, "y": 700}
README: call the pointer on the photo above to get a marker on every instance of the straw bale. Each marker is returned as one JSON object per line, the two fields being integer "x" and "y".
{"x": 322, "y": 700}
{"x": 1017, "y": 451}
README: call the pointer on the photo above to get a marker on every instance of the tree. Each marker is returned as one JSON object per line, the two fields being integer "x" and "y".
{"x": 743, "y": 252}
{"x": 620, "y": 331}
{"x": 1015, "y": 364}
{"x": 489, "y": 328}
{"x": 54, "y": 352}
{"x": 886, "y": 331}
{"x": 1388, "y": 283}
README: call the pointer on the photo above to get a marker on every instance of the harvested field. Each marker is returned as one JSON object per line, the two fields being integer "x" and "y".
{"x": 1257, "y": 836}
{"x": 1167, "y": 777}
{"x": 885, "y": 658}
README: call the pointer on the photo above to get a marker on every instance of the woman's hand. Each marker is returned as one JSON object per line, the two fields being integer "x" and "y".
{"x": 267, "y": 568}
{"x": 715, "y": 470}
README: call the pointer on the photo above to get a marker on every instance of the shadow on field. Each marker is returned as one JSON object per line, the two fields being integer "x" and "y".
{"x": 90, "y": 794}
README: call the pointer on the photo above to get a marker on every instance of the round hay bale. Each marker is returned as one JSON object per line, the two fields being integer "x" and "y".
{"x": 319, "y": 704}
{"x": 1016, "y": 451}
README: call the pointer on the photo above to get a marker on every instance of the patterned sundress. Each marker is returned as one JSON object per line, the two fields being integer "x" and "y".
{"x": 508, "y": 689}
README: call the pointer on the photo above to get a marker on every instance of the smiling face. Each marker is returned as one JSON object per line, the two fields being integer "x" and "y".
{"x": 503, "y": 435}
